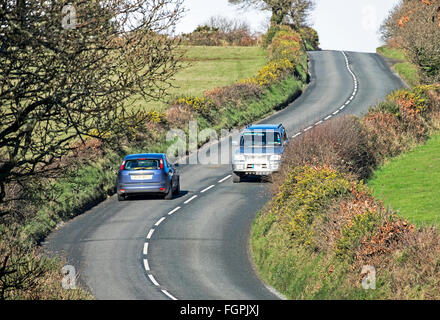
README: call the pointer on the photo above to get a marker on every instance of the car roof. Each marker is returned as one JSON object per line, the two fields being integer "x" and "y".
{"x": 144, "y": 156}
{"x": 264, "y": 127}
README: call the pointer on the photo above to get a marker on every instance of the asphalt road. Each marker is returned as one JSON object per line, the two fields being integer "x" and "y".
{"x": 196, "y": 245}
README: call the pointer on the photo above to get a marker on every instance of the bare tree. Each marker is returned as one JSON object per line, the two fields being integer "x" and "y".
{"x": 68, "y": 68}
{"x": 414, "y": 25}
{"x": 227, "y": 25}
{"x": 295, "y": 12}
{"x": 299, "y": 13}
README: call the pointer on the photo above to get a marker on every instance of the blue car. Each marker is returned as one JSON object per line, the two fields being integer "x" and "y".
{"x": 147, "y": 174}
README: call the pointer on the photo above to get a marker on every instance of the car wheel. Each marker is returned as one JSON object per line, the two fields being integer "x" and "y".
{"x": 236, "y": 178}
{"x": 169, "y": 194}
{"x": 177, "y": 191}
{"x": 121, "y": 197}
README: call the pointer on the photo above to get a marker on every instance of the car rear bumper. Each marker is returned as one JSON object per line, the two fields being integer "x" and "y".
{"x": 143, "y": 188}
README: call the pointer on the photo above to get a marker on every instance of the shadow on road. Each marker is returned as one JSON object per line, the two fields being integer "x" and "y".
{"x": 142, "y": 197}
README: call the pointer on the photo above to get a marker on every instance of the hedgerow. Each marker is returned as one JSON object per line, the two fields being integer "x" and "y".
{"x": 323, "y": 226}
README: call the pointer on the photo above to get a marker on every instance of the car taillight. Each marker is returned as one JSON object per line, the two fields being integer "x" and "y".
{"x": 122, "y": 165}
{"x": 161, "y": 163}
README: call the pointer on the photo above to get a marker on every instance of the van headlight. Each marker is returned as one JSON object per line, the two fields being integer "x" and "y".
{"x": 275, "y": 157}
{"x": 239, "y": 158}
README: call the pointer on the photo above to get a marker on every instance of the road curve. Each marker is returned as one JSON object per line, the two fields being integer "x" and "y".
{"x": 196, "y": 245}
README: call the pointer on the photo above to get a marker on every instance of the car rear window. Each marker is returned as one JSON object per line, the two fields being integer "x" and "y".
{"x": 143, "y": 164}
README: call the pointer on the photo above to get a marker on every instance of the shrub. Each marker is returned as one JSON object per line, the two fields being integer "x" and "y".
{"x": 273, "y": 30}
{"x": 383, "y": 240}
{"x": 235, "y": 94}
{"x": 272, "y": 72}
{"x": 310, "y": 37}
{"x": 201, "y": 105}
{"x": 221, "y": 32}
{"x": 354, "y": 231}
{"x": 178, "y": 115}
{"x": 302, "y": 198}
{"x": 341, "y": 214}
{"x": 341, "y": 144}
{"x": 402, "y": 120}
{"x": 286, "y": 44}
{"x": 385, "y": 135}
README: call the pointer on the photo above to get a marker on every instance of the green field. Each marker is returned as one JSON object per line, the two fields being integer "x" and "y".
{"x": 410, "y": 183}
{"x": 207, "y": 68}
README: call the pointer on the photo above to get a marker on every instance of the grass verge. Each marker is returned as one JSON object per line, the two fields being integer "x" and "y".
{"x": 410, "y": 183}
{"x": 401, "y": 64}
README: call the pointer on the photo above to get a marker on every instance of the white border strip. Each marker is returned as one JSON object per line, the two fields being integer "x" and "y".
{"x": 146, "y": 265}
{"x": 169, "y": 295}
{"x": 153, "y": 280}
{"x": 160, "y": 221}
{"x": 224, "y": 179}
{"x": 190, "y": 199}
{"x": 174, "y": 211}
{"x": 150, "y": 234}
{"x": 209, "y": 188}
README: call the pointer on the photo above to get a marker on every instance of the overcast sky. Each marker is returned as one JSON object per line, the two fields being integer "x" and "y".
{"x": 351, "y": 25}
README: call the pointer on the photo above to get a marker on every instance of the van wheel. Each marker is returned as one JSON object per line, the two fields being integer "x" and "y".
{"x": 121, "y": 197}
{"x": 236, "y": 178}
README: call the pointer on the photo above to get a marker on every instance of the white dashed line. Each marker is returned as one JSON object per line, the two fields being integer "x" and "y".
{"x": 224, "y": 179}
{"x": 336, "y": 112}
{"x": 160, "y": 221}
{"x": 307, "y": 129}
{"x": 150, "y": 234}
{"x": 319, "y": 122}
{"x": 169, "y": 295}
{"x": 327, "y": 118}
{"x": 173, "y": 211}
{"x": 153, "y": 280}
{"x": 146, "y": 265}
{"x": 296, "y": 135}
{"x": 145, "y": 248}
{"x": 190, "y": 199}
{"x": 204, "y": 190}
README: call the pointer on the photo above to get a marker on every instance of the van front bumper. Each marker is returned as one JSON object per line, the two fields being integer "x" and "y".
{"x": 256, "y": 169}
